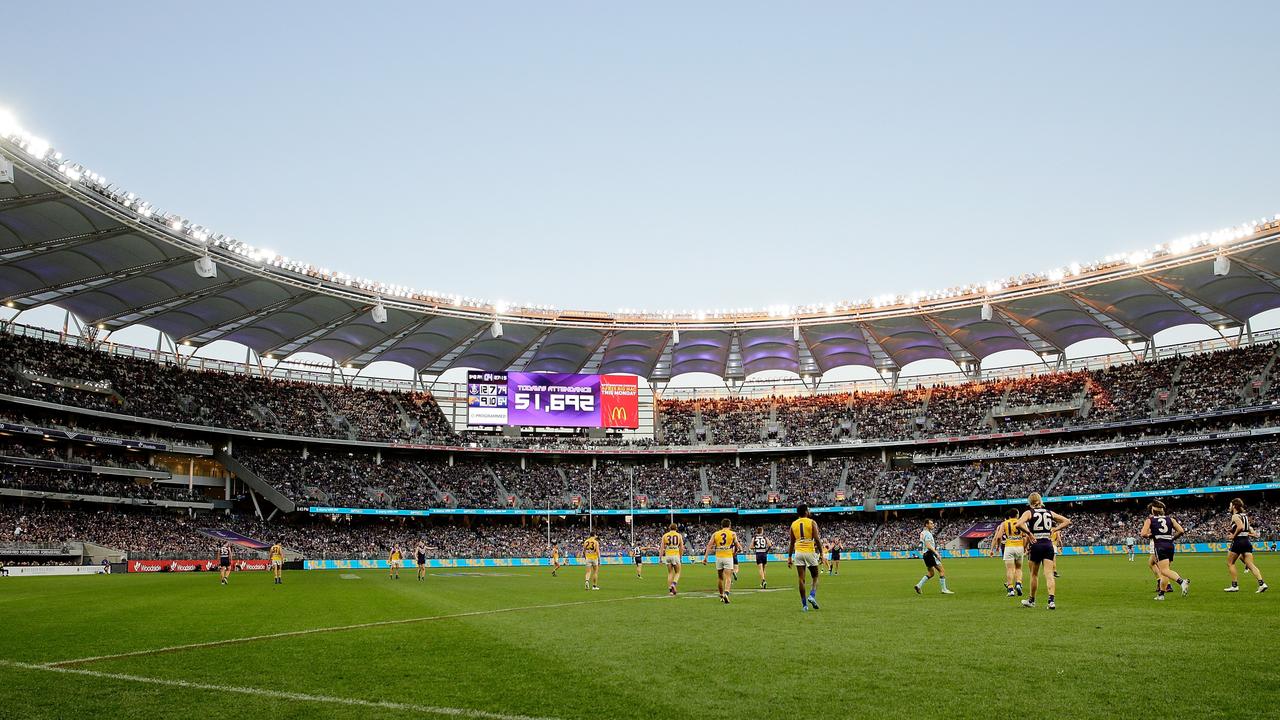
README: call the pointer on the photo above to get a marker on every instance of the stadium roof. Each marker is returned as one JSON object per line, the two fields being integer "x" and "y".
{"x": 69, "y": 239}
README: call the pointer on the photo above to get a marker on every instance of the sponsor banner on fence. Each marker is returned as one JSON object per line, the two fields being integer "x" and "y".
{"x": 153, "y": 566}
{"x": 235, "y": 538}
{"x": 45, "y": 570}
{"x": 82, "y": 437}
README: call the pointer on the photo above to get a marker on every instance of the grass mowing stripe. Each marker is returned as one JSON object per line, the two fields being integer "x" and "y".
{"x": 339, "y": 628}
{"x": 277, "y": 694}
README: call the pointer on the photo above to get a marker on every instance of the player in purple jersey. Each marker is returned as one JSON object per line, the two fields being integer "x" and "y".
{"x": 761, "y": 546}
{"x": 225, "y": 558}
{"x": 1154, "y": 567}
{"x": 1241, "y": 534}
{"x": 1040, "y": 524}
{"x": 1164, "y": 532}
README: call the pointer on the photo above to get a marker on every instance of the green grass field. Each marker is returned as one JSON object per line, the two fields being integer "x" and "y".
{"x": 508, "y": 643}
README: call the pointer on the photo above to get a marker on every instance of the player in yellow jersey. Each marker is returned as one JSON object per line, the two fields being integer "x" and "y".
{"x": 672, "y": 551}
{"x": 394, "y": 559}
{"x": 725, "y": 543}
{"x": 1010, "y": 536}
{"x": 591, "y": 558}
{"x": 555, "y": 560}
{"x": 802, "y": 551}
{"x": 277, "y": 562}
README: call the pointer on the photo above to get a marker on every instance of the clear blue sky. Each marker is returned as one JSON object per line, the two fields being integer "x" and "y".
{"x": 674, "y": 155}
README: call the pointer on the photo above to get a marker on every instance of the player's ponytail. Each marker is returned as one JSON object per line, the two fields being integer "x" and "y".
{"x": 1237, "y": 505}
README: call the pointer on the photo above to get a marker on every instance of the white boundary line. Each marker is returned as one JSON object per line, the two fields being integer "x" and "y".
{"x": 708, "y": 594}
{"x": 339, "y": 628}
{"x": 278, "y": 694}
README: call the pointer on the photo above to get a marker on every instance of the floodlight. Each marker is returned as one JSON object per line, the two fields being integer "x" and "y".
{"x": 205, "y": 267}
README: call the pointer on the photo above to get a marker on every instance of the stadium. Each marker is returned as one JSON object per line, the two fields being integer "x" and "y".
{"x": 431, "y": 530}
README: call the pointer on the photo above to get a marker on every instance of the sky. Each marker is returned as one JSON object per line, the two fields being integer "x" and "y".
{"x": 667, "y": 155}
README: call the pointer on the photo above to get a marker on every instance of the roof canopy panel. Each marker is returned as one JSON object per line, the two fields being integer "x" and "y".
{"x": 350, "y": 339}
{"x": 635, "y": 352}
{"x": 979, "y": 337}
{"x": 490, "y": 353}
{"x": 565, "y": 350}
{"x": 1240, "y": 294}
{"x": 701, "y": 351}
{"x": 431, "y": 341}
{"x": 1138, "y": 304}
{"x": 1055, "y": 318}
{"x": 64, "y": 242}
{"x": 907, "y": 339}
{"x": 769, "y": 349}
{"x": 1264, "y": 259}
{"x": 836, "y": 345}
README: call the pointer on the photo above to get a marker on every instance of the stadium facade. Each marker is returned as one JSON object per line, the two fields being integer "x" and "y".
{"x": 158, "y": 433}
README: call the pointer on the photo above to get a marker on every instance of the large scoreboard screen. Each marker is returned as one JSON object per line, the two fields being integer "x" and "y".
{"x": 552, "y": 400}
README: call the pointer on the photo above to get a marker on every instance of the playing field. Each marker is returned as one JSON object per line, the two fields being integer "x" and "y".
{"x": 519, "y": 643}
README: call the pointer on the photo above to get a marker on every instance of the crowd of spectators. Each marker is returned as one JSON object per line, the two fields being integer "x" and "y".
{"x": 361, "y": 477}
{"x": 799, "y": 482}
{"x": 1084, "y": 473}
{"x": 89, "y": 425}
{"x": 678, "y": 485}
{"x": 949, "y": 482}
{"x": 83, "y": 377}
{"x": 1098, "y": 472}
{"x": 35, "y": 479}
{"x": 356, "y": 478}
{"x": 1171, "y": 385}
{"x": 79, "y": 376}
{"x": 79, "y": 454}
{"x": 1205, "y": 380}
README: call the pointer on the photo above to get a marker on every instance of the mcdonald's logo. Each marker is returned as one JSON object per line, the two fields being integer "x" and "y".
{"x": 618, "y": 414}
